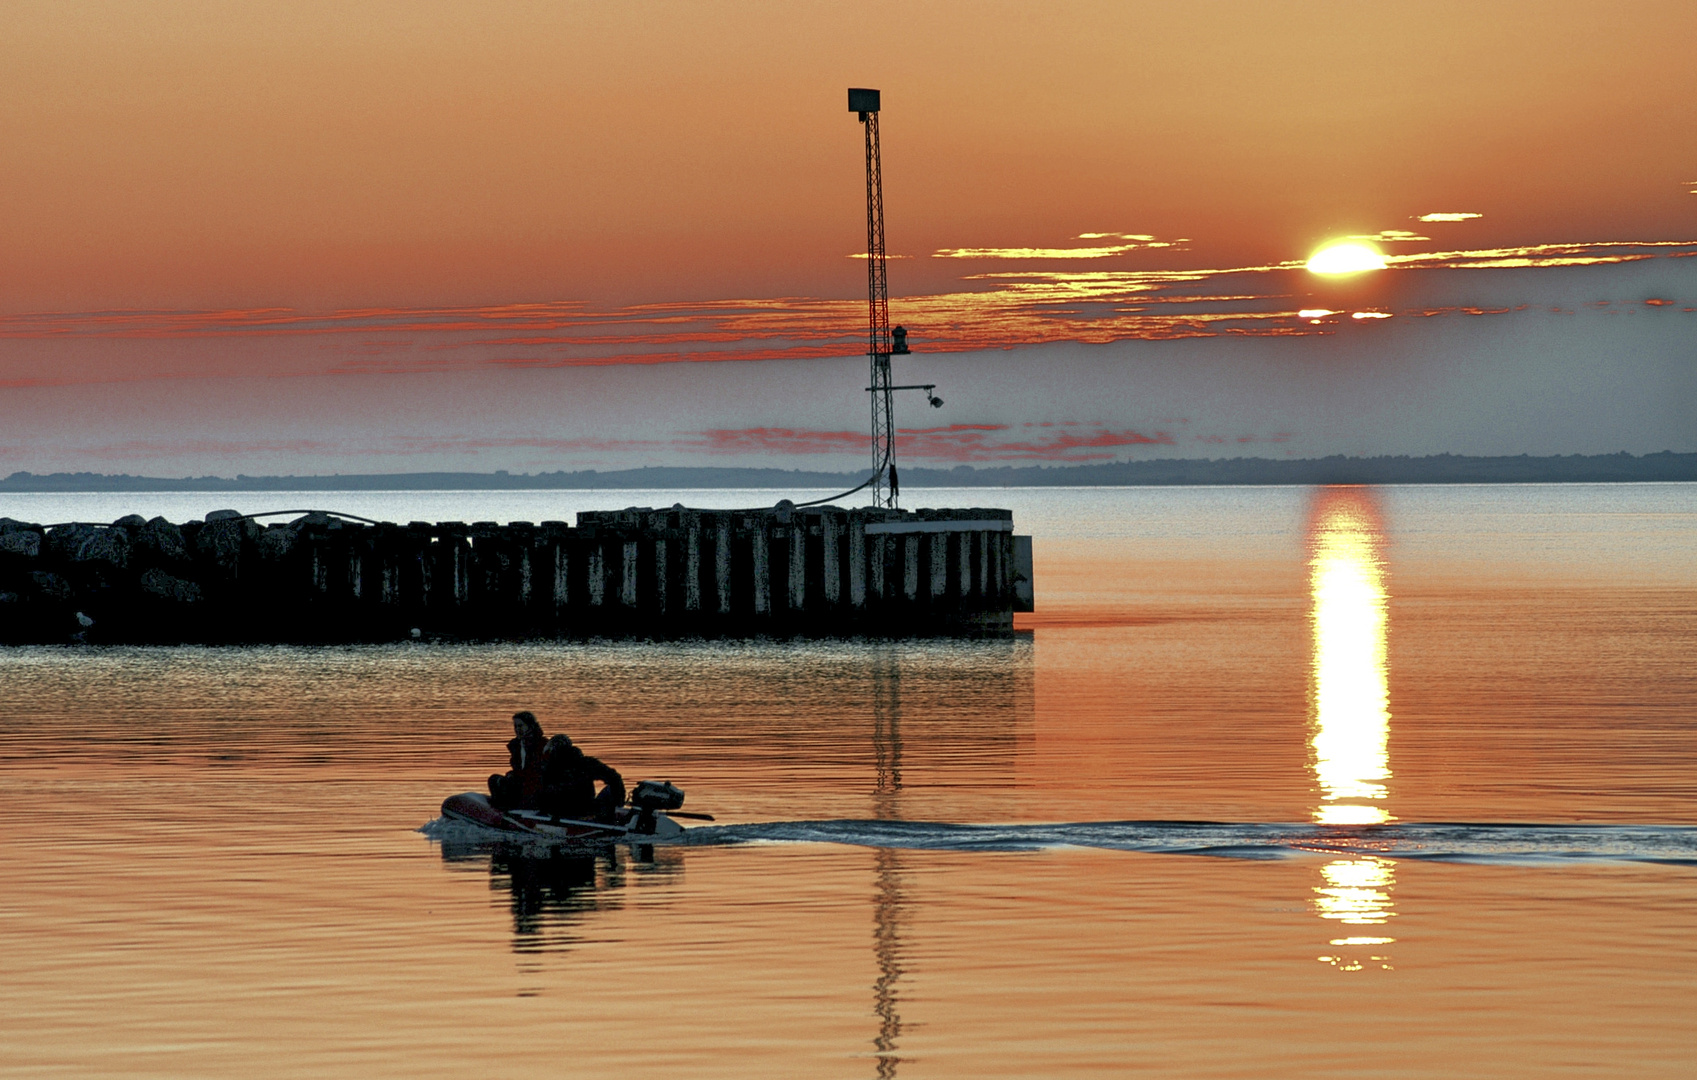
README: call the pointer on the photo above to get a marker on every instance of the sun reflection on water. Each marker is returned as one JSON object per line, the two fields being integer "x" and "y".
{"x": 1351, "y": 701}
{"x": 1357, "y": 893}
{"x": 1352, "y": 717}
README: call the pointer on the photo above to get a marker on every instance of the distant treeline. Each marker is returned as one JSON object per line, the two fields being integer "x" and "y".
{"x": 1434, "y": 469}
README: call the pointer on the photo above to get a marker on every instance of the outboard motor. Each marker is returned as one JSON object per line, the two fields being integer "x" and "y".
{"x": 650, "y": 796}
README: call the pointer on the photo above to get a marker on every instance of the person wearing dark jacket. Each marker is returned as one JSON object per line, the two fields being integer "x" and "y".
{"x": 568, "y": 784}
{"x": 519, "y": 788}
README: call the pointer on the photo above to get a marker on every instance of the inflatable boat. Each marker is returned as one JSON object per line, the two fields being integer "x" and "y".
{"x": 646, "y": 818}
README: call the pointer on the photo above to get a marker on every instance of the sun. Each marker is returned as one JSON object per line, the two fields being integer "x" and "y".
{"x": 1346, "y": 258}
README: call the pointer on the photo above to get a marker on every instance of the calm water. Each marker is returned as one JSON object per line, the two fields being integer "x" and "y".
{"x": 1280, "y": 783}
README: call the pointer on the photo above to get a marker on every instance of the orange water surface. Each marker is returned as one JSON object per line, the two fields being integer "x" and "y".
{"x": 212, "y": 863}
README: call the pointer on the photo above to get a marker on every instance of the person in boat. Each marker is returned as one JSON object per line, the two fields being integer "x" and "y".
{"x": 569, "y": 777}
{"x": 521, "y": 785}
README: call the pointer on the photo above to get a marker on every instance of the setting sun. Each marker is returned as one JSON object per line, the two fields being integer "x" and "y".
{"x": 1346, "y": 258}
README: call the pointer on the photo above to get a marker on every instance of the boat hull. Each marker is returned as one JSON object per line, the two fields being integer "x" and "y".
{"x": 475, "y": 808}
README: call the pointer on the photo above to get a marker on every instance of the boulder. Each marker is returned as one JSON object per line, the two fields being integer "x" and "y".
{"x": 20, "y": 542}
{"x": 277, "y": 541}
{"x": 130, "y": 522}
{"x": 220, "y": 539}
{"x": 161, "y": 538}
{"x": 51, "y": 586}
{"x": 90, "y": 543}
{"x": 159, "y": 583}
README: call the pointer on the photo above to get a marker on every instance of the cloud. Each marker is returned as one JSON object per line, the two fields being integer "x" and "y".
{"x": 951, "y": 443}
{"x": 1090, "y": 444}
{"x": 1057, "y": 441}
{"x": 1034, "y": 253}
{"x": 1003, "y": 308}
{"x": 156, "y": 449}
{"x": 776, "y": 440}
{"x": 1546, "y": 255}
{"x": 1129, "y": 242}
{"x": 386, "y": 446}
{"x": 1449, "y": 216}
{"x": 1470, "y": 363}
{"x": 1390, "y": 236}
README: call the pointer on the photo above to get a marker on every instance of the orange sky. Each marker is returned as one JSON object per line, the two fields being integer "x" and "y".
{"x": 304, "y": 238}
{"x": 331, "y": 155}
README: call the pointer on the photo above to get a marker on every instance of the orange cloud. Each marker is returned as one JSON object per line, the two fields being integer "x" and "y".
{"x": 998, "y": 310}
{"x": 1130, "y": 242}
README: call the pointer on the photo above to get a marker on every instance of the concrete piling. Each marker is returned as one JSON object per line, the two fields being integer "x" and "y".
{"x": 910, "y": 567}
{"x": 796, "y": 535}
{"x": 939, "y": 566}
{"x": 722, "y": 564}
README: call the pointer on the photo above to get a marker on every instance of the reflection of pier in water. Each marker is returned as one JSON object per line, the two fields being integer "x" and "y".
{"x": 1351, "y": 714}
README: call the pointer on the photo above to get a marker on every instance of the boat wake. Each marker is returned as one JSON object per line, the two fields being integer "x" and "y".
{"x": 1442, "y": 842}
{"x": 1447, "y": 842}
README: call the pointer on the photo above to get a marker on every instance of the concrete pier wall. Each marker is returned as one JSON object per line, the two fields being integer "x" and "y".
{"x": 678, "y": 572}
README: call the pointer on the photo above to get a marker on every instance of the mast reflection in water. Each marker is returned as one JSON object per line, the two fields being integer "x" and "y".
{"x": 887, "y": 898}
{"x": 1352, "y": 718}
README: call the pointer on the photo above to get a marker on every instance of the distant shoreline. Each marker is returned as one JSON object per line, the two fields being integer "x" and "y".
{"x": 1435, "y": 469}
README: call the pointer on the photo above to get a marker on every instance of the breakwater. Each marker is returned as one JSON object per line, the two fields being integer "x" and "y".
{"x": 641, "y": 572}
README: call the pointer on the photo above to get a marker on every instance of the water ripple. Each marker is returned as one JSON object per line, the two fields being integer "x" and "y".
{"x": 1442, "y": 841}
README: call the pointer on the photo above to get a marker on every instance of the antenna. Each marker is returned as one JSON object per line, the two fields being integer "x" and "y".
{"x": 883, "y": 342}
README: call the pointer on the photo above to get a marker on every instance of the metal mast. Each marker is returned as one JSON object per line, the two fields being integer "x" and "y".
{"x": 881, "y": 342}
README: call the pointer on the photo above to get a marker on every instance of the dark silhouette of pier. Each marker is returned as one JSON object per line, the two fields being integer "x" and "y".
{"x": 641, "y": 572}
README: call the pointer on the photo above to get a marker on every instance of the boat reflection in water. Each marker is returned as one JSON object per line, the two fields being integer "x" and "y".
{"x": 1351, "y": 714}
{"x": 553, "y": 890}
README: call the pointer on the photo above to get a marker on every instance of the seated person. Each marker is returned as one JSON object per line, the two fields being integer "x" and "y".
{"x": 568, "y": 784}
{"x": 519, "y": 788}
